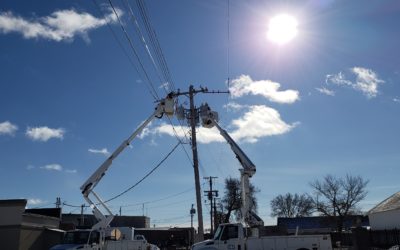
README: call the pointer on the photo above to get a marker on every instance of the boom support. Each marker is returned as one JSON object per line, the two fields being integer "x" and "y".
{"x": 210, "y": 119}
{"x": 165, "y": 106}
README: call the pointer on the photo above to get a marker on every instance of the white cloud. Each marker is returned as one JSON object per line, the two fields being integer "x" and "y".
{"x": 366, "y": 81}
{"x": 338, "y": 79}
{"x": 44, "y": 133}
{"x": 165, "y": 86}
{"x": 52, "y": 167}
{"x": 62, "y": 25}
{"x": 30, "y": 167}
{"x": 102, "y": 151}
{"x": 244, "y": 85}
{"x": 35, "y": 201}
{"x": 326, "y": 91}
{"x": 233, "y": 106}
{"x": 396, "y": 99}
{"x": 259, "y": 121}
{"x": 7, "y": 128}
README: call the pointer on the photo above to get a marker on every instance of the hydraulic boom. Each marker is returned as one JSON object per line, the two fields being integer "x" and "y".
{"x": 165, "y": 106}
{"x": 209, "y": 120}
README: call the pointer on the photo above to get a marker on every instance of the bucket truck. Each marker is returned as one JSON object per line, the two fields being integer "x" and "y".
{"x": 96, "y": 238}
{"x": 233, "y": 235}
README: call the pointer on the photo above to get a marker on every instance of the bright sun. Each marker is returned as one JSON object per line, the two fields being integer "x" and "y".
{"x": 282, "y": 28}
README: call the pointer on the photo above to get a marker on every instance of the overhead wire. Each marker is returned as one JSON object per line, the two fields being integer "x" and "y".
{"x": 143, "y": 178}
{"x": 115, "y": 36}
{"x": 161, "y": 61}
{"x": 154, "y": 94}
{"x": 141, "y": 36}
{"x": 154, "y": 41}
{"x": 160, "y": 199}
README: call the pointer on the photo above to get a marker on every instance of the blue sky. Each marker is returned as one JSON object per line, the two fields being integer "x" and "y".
{"x": 327, "y": 102}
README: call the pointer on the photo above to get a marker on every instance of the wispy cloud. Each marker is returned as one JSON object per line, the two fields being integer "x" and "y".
{"x": 257, "y": 122}
{"x": 244, "y": 85}
{"x": 71, "y": 171}
{"x": 233, "y": 106}
{"x": 30, "y": 167}
{"x": 338, "y": 79}
{"x": 44, "y": 133}
{"x": 366, "y": 81}
{"x": 326, "y": 91}
{"x": 35, "y": 201}
{"x": 396, "y": 99}
{"x": 52, "y": 167}
{"x": 61, "y": 25}
{"x": 102, "y": 151}
{"x": 7, "y": 128}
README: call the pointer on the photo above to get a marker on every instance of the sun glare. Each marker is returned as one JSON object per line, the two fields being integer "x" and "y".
{"x": 282, "y": 28}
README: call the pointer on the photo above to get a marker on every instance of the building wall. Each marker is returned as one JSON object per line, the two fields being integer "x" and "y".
{"x": 21, "y": 231}
{"x": 9, "y": 237}
{"x": 385, "y": 220}
{"x": 10, "y": 223}
{"x": 38, "y": 238}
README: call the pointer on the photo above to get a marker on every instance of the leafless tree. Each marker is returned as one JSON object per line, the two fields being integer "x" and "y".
{"x": 292, "y": 205}
{"x": 339, "y": 197}
{"x": 232, "y": 199}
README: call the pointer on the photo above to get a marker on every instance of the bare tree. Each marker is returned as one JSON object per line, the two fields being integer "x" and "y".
{"x": 232, "y": 199}
{"x": 290, "y": 205}
{"x": 339, "y": 197}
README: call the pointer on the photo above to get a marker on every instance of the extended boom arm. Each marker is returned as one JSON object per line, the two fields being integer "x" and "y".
{"x": 210, "y": 119}
{"x": 166, "y": 106}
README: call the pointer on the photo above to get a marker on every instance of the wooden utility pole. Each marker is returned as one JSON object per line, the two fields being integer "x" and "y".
{"x": 192, "y": 116}
{"x": 210, "y": 195}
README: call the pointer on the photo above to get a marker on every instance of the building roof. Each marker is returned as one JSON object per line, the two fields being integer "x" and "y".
{"x": 391, "y": 203}
{"x": 322, "y": 222}
{"x": 51, "y": 212}
{"x": 13, "y": 202}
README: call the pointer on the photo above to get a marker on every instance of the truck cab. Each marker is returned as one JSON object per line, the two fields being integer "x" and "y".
{"x": 80, "y": 239}
{"x": 227, "y": 236}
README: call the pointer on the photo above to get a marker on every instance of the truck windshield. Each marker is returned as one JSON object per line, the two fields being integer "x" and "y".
{"x": 218, "y": 232}
{"x": 79, "y": 237}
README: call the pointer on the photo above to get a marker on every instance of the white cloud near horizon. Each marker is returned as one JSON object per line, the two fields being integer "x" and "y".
{"x": 257, "y": 122}
{"x": 326, "y": 91}
{"x": 35, "y": 201}
{"x": 244, "y": 85}
{"x": 366, "y": 81}
{"x": 61, "y": 25}
{"x": 44, "y": 133}
{"x": 7, "y": 128}
{"x": 103, "y": 151}
{"x": 52, "y": 167}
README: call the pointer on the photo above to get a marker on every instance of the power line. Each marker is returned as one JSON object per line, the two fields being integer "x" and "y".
{"x": 147, "y": 175}
{"x": 116, "y": 37}
{"x": 140, "y": 34}
{"x": 161, "y": 199}
{"x": 155, "y": 95}
{"x": 155, "y": 43}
